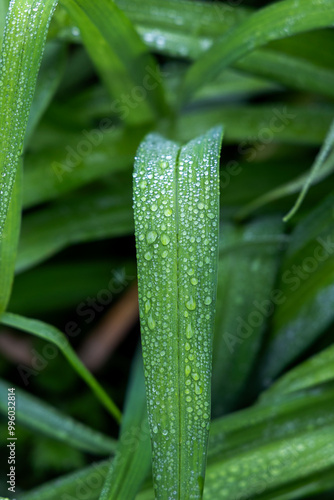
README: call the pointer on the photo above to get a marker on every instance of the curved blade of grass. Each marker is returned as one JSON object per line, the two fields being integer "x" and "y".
{"x": 244, "y": 305}
{"x": 317, "y": 370}
{"x": 280, "y": 20}
{"x": 291, "y": 187}
{"x": 306, "y": 282}
{"x": 133, "y": 458}
{"x": 177, "y": 300}
{"x": 69, "y": 487}
{"x": 43, "y": 418}
{"x": 314, "y": 173}
{"x": 89, "y": 215}
{"x": 51, "y": 334}
{"x": 121, "y": 58}
{"x": 25, "y": 32}
{"x": 9, "y": 241}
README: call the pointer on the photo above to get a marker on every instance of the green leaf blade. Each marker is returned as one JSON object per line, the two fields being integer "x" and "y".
{"x": 177, "y": 301}
{"x": 25, "y": 32}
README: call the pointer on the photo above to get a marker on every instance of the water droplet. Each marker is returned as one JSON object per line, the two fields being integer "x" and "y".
{"x": 151, "y": 323}
{"x": 164, "y": 254}
{"x": 165, "y": 239}
{"x": 207, "y": 301}
{"x": 187, "y": 346}
{"x": 189, "y": 331}
{"x": 154, "y": 207}
{"x": 187, "y": 370}
{"x": 193, "y": 281}
{"x": 148, "y": 255}
{"x": 198, "y": 389}
{"x": 155, "y": 429}
{"x": 168, "y": 212}
{"x": 147, "y": 306}
{"x": 195, "y": 376}
{"x": 200, "y": 206}
{"x": 191, "y": 304}
{"x": 151, "y": 237}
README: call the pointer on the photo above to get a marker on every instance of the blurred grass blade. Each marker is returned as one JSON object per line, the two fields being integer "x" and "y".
{"x": 63, "y": 285}
{"x": 121, "y": 58}
{"x": 317, "y": 370}
{"x": 40, "y": 417}
{"x": 318, "y": 164}
{"x": 177, "y": 301}
{"x": 280, "y": 20}
{"x": 51, "y": 334}
{"x": 50, "y": 75}
{"x": 306, "y": 284}
{"x": 290, "y": 124}
{"x": 63, "y": 167}
{"x": 291, "y": 187}
{"x": 9, "y": 241}
{"x": 88, "y": 482}
{"x": 244, "y": 304}
{"x": 88, "y": 215}
{"x": 133, "y": 458}
{"x": 25, "y": 32}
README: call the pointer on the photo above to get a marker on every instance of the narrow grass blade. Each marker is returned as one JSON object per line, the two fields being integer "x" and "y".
{"x": 40, "y": 417}
{"x": 121, "y": 58}
{"x": 25, "y": 32}
{"x": 133, "y": 458}
{"x": 177, "y": 301}
{"x": 9, "y": 241}
{"x": 70, "y": 487}
{"x": 87, "y": 215}
{"x": 280, "y": 20}
{"x": 245, "y": 304}
{"x": 4, "y": 4}
{"x": 51, "y": 334}
{"x": 318, "y": 164}
{"x": 315, "y": 371}
{"x": 306, "y": 284}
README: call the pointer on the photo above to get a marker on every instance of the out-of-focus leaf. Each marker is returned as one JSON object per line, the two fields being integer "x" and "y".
{"x": 57, "y": 286}
{"x": 99, "y": 213}
{"x": 121, "y": 58}
{"x": 77, "y": 160}
{"x": 314, "y": 174}
{"x": 51, "y": 334}
{"x": 287, "y": 189}
{"x": 312, "y": 372}
{"x": 273, "y": 22}
{"x": 25, "y": 32}
{"x": 263, "y": 124}
{"x": 306, "y": 282}
{"x": 51, "y": 72}
{"x": 246, "y": 276}
{"x": 133, "y": 458}
{"x": 9, "y": 242}
{"x": 88, "y": 481}
{"x": 43, "y": 418}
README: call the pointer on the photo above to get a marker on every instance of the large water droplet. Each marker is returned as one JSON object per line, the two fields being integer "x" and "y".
{"x": 151, "y": 237}
{"x": 191, "y": 304}
{"x": 165, "y": 239}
